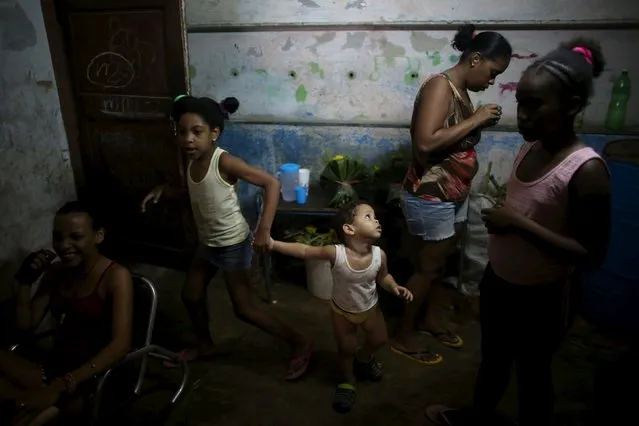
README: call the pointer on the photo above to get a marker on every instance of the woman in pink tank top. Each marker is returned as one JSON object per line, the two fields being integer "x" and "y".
{"x": 556, "y": 216}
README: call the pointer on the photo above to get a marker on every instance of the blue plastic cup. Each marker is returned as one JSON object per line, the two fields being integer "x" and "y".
{"x": 300, "y": 195}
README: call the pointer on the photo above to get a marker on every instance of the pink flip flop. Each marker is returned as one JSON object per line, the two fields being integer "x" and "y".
{"x": 299, "y": 364}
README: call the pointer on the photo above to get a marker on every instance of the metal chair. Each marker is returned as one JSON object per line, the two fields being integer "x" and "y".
{"x": 145, "y": 302}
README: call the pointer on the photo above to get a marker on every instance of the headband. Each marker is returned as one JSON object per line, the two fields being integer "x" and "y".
{"x": 178, "y": 97}
{"x": 585, "y": 52}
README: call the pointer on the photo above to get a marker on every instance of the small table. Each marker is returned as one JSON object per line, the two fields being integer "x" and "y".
{"x": 317, "y": 204}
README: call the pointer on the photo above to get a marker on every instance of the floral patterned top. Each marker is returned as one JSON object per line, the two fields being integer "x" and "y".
{"x": 445, "y": 175}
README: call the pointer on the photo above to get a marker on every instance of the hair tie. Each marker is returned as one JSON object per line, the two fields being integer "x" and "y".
{"x": 178, "y": 97}
{"x": 585, "y": 52}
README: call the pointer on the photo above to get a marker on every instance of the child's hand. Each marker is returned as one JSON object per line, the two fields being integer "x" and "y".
{"x": 404, "y": 293}
{"x": 271, "y": 243}
{"x": 262, "y": 241}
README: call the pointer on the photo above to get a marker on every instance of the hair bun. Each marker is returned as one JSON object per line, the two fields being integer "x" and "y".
{"x": 596, "y": 57}
{"x": 464, "y": 37}
{"x": 229, "y": 105}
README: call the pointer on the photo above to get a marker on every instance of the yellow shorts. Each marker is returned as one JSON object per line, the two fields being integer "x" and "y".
{"x": 355, "y": 318}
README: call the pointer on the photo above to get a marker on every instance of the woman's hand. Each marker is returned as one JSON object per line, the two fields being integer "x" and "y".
{"x": 500, "y": 219}
{"x": 262, "y": 240}
{"x": 487, "y": 115}
{"x": 34, "y": 266}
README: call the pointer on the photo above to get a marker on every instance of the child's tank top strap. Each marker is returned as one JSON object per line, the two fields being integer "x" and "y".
{"x": 215, "y": 159}
{"x": 340, "y": 255}
{"x": 377, "y": 257}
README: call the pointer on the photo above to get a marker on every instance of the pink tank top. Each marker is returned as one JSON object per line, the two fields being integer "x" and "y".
{"x": 545, "y": 201}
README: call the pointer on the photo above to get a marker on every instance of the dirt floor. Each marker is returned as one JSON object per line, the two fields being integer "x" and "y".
{"x": 244, "y": 387}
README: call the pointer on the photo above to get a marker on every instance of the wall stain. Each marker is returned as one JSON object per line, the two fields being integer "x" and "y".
{"x": 390, "y": 51}
{"x": 261, "y": 71}
{"x": 255, "y": 51}
{"x": 16, "y": 30}
{"x": 356, "y": 4}
{"x": 507, "y": 87}
{"x": 308, "y": 3}
{"x": 435, "y": 58}
{"x": 422, "y": 42}
{"x": 321, "y": 39}
{"x": 301, "y": 93}
{"x": 46, "y": 84}
{"x": 411, "y": 75}
{"x": 272, "y": 91}
{"x": 316, "y": 69}
{"x": 287, "y": 45}
{"x": 192, "y": 71}
{"x": 354, "y": 40}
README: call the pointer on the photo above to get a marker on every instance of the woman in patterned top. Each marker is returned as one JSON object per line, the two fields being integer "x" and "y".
{"x": 444, "y": 130}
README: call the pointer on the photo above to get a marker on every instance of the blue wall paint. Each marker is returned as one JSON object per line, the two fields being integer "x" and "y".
{"x": 268, "y": 146}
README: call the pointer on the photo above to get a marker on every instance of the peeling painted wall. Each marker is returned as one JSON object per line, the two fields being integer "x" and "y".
{"x": 35, "y": 173}
{"x": 374, "y": 75}
{"x": 360, "y": 76}
{"x": 36, "y": 177}
{"x": 248, "y": 11}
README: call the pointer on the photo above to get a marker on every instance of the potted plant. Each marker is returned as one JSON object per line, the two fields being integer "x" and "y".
{"x": 340, "y": 176}
{"x": 319, "y": 279}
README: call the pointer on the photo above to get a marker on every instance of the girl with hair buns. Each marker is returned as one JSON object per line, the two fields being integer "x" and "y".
{"x": 556, "y": 216}
{"x": 225, "y": 241}
{"x": 444, "y": 130}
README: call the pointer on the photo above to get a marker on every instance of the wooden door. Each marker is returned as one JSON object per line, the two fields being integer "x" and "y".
{"x": 127, "y": 60}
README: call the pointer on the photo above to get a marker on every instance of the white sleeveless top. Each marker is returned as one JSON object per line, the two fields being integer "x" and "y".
{"x": 216, "y": 208}
{"x": 355, "y": 291}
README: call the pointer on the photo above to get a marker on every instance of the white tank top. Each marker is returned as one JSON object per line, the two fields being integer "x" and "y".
{"x": 355, "y": 291}
{"x": 216, "y": 208}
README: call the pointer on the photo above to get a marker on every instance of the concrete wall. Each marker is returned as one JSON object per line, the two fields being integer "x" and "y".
{"x": 373, "y": 75}
{"x": 202, "y": 12}
{"x": 368, "y": 79}
{"x": 35, "y": 173}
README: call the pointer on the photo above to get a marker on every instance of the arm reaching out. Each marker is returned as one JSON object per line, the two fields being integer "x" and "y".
{"x": 388, "y": 283}
{"x": 303, "y": 251}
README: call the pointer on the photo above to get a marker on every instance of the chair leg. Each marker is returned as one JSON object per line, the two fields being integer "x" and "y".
{"x": 185, "y": 378}
{"x": 143, "y": 366}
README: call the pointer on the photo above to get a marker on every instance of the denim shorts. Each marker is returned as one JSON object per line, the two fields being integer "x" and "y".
{"x": 236, "y": 257}
{"x": 432, "y": 220}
